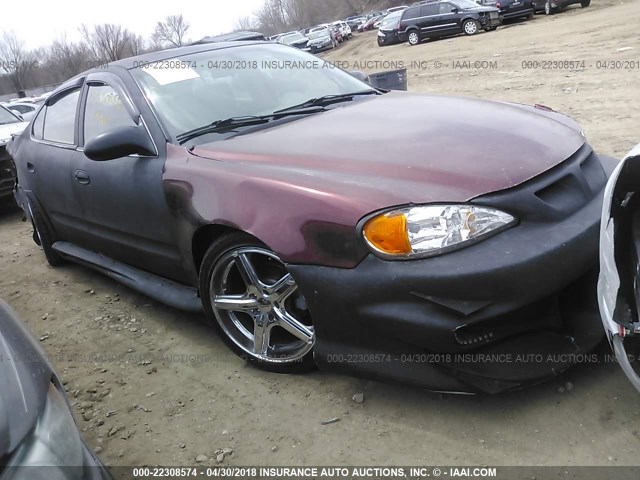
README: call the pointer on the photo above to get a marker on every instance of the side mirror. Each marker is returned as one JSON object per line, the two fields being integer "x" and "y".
{"x": 454, "y": 10}
{"x": 360, "y": 76}
{"x": 120, "y": 142}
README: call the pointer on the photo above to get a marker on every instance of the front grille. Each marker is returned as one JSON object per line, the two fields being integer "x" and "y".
{"x": 556, "y": 193}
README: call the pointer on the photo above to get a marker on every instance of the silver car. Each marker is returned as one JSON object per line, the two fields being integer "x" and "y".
{"x": 619, "y": 285}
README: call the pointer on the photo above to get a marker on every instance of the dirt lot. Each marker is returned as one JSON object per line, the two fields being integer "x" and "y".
{"x": 151, "y": 385}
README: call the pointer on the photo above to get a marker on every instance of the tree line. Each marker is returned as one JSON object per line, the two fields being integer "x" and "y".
{"x": 23, "y": 69}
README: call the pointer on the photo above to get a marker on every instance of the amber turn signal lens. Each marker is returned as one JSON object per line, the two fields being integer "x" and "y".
{"x": 388, "y": 233}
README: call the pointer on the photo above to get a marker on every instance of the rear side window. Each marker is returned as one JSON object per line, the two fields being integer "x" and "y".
{"x": 411, "y": 13}
{"x": 428, "y": 10}
{"x": 60, "y": 119}
{"x": 38, "y": 125}
{"x": 104, "y": 111}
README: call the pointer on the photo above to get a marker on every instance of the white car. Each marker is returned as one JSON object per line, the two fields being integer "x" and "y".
{"x": 345, "y": 29}
{"x": 26, "y": 109}
{"x": 619, "y": 282}
{"x": 10, "y": 125}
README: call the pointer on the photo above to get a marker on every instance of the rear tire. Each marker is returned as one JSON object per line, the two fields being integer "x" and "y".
{"x": 42, "y": 236}
{"x": 470, "y": 27}
{"x": 255, "y": 305}
{"x": 585, "y": 3}
{"x": 490, "y": 29}
{"x": 413, "y": 38}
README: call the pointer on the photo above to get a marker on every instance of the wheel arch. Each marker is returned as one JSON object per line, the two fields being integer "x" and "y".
{"x": 204, "y": 236}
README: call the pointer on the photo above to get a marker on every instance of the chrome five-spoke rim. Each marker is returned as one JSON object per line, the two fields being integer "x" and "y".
{"x": 259, "y": 306}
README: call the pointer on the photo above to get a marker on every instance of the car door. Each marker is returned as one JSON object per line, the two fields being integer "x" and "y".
{"x": 125, "y": 212}
{"x": 429, "y": 23}
{"x": 44, "y": 166}
{"x": 449, "y": 18}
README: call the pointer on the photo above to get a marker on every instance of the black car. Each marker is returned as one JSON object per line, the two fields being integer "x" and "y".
{"x": 438, "y": 19}
{"x": 37, "y": 428}
{"x": 552, "y": 6}
{"x": 388, "y": 31}
{"x": 511, "y": 8}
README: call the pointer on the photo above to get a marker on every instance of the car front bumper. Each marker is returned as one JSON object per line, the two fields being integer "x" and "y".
{"x": 511, "y": 310}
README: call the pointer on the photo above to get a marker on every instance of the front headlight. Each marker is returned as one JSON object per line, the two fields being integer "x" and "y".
{"x": 55, "y": 442}
{"x": 428, "y": 230}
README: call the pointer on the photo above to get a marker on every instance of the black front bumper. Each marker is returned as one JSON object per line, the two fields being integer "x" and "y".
{"x": 511, "y": 310}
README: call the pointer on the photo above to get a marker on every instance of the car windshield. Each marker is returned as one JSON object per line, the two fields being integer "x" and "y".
{"x": 6, "y": 117}
{"x": 294, "y": 37}
{"x": 392, "y": 17}
{"x": 462, "y": 4}
{"x": 195, "y": 90}
{"x": 319, "y": 34}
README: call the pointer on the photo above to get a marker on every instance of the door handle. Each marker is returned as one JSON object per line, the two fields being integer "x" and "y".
{"x": 30, "y": 167}
{"x": 82, "y": 177}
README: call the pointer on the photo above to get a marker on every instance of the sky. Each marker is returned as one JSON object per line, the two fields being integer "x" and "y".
{"x": 45, "y": 20}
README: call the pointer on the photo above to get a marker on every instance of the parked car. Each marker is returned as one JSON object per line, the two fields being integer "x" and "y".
{"x": 552, "y": 6}
{"x": 355, "y": 22}
{"x": 619, "y": 286}
{"x": 321, "y": 39}
{"x": 310, "y": 230}
{"x": 294, "y": 39}
{"x": 37, "y": 427}
{"x": 26, "y": 109}
{"x": 397, "y": 9}
{"x": 10, "y": 124}
{"x": 388, "y": 31}
{"x": 345, "y": 29}
{"x": 510, "y": 9}
{"x": 369, "y": 24}
{"x": 437, "y": 19}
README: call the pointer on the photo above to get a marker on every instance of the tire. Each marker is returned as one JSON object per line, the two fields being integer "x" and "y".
{"x": 470, "y": 27}
{"x": 548, "y": 9}
{"x": 585, "y": 3}
{"x": 490, "y": 29}
{"x": 245, "y": 287}
{"x": 42, "y": 236}
{"x": 413, "y": 37}
{"x": 530, "y": 16}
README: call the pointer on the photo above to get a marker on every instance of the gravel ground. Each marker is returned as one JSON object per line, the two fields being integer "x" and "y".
{"x": 151, "y": 385}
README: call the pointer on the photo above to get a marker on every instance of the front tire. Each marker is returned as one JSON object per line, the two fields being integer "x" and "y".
{"x": 490, "y": 29}
{"x": 413, "y": 38}
{"x": 585, "y": 3}
{"x": 470, "y": 27}
{"x": 255, "y": 304}
{"x": 548, "y": 9}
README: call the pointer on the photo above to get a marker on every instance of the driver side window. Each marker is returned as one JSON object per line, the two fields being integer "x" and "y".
{"x": 104, "y": 111}
{"x": 446, "y": 8}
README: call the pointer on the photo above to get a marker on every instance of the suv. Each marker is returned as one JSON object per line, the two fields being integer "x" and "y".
{"x": 511, "y": 8}
{"x": 437, "y": 19}
{"x": 551, "y": 6}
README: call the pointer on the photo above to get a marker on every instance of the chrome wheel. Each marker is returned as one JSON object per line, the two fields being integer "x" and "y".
{"x": 259, "y": 306}
{"x": 414, "y": 38}
{"x": 470, "y": 27}
{"x": 547, "y": 8}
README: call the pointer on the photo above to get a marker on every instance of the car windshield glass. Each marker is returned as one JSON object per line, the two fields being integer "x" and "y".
{"x": 462, "y": 4}
{"x": 319, "y": 34}
{"x": 393, "y": 17}
{"x": 294, "y": 37}
{"x": 196, "y": 90}
{"x": 7, "y": 117}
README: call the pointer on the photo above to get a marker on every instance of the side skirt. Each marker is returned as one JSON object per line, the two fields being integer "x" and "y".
{"x": 160, "y": 289}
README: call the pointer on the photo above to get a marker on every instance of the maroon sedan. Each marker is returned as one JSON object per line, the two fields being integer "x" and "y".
{"x": 450, "y": 243}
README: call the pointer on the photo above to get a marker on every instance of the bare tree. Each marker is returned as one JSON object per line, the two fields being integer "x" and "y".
{"x": 246, "y": 23}
{"x": 109, "y": 42}
{"x": 172, "y": 30}
{"x": 16, "y": 61}
{"x": 65, "y": 59}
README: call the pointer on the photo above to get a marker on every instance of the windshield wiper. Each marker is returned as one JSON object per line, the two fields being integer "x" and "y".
{"x": 327, "y": 100}
{"x": 225, "y": 125}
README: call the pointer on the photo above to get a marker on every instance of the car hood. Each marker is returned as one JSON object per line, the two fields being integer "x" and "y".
{"x": 25, "y": 376}
{"x": 6, "y": 131}
{"x": 406, "y": 148}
